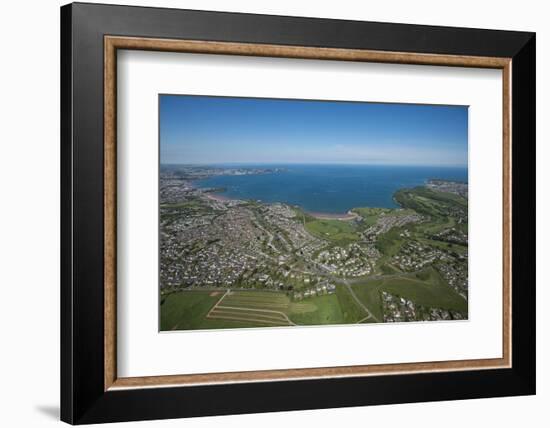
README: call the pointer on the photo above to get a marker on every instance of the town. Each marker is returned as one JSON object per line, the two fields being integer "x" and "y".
{"x": 374, "y": 260}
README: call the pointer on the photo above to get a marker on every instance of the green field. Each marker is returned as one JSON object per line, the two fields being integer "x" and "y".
{"x": 185, "y": 310}
{"x": 188, "y": 205}
{"x": 427, "y": 201}
{"x": 390, "y": 242}
{"x": 189, "y": 310}
{"x": 327, "y": 311}
{"x": 351, "y": 311}
{"x": 370, "y": 215}
{"x": 191, "y": 207}
{"x": 337, "y": 231}
{"x": 425, "y": 288}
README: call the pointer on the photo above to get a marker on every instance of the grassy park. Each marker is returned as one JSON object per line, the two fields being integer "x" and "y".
{"x": 336, "y": 231}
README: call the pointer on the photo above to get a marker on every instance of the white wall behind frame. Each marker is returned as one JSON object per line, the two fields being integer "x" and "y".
{"x": 30, "y": 103}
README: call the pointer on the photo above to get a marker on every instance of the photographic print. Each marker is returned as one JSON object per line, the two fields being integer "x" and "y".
{"x": 285, "y": 213}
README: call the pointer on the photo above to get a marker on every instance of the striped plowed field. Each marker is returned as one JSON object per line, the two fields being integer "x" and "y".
{"x": 254, "y": 307}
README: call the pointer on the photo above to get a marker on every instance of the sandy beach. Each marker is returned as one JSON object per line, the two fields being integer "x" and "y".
{"x": 321, "y": 216}
{"x": 217, "y": 197}
{"x": 327, "y": 216}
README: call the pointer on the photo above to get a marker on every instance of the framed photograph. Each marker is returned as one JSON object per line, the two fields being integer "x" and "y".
{"x": 266, "y": 213}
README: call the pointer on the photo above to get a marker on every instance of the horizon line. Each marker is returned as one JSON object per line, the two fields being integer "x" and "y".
{"x": 312, "y": 163}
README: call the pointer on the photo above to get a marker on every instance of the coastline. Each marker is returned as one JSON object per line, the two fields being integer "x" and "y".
{"x": 318, "y": 215}
{"x": 326, "y": 210}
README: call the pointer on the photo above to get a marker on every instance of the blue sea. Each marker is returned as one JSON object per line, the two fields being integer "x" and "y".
{"x": 330, "y": 188}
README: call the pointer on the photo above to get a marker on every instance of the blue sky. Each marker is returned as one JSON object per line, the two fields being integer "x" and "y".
{"x": 205, "y": 130}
